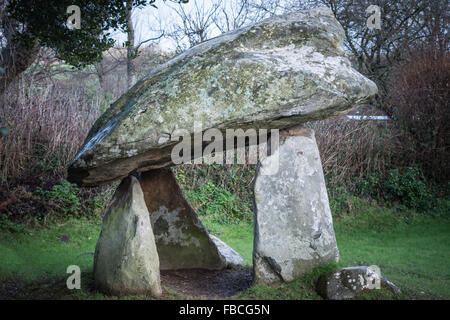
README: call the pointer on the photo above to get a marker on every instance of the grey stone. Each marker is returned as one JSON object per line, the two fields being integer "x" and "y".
{"x": 232, "y": 257}
{"x": 348, "y": 283}
{"x": 274, "y": 74}
{"x": 181, "y": 238}
{"x": 293, "y": 224}
{"x": 126, "y": 260}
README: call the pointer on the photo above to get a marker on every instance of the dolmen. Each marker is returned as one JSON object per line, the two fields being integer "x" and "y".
{"x": 274, "y": 75}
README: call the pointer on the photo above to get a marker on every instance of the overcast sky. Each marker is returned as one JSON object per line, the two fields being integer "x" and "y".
{"x": 149, "y": 20}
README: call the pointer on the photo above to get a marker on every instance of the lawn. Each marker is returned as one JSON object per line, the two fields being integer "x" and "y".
{"x": 32, "y": 254}
{"x": 414, "y": 255}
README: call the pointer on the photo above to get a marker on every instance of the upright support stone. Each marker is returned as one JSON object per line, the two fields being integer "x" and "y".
{"x": 181, "y": 238}
{"x": 126, "y": 260}
{"x": 293, "y": 224}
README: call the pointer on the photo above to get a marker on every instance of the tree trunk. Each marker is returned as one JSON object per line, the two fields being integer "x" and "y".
{"x": 130, "y": 49}
{"x": 101, "y": 73}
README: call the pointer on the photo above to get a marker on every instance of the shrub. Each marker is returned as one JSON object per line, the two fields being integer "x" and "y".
{"x": 408, "y": 187}
{"x": 343, "y": 202}
{"x": 47, "y": 118}
{"x": 222, "y": 193}
{"x": 63, "y": 197}
{"x": 217, "y": 204}
{"x": 405, "y": 186}
{"x": 352, "y": 149}
{"x": 419, "y": 103}
{"x": 47, "y": 124}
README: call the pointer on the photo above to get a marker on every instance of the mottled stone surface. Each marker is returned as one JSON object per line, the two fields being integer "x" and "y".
{"x": 181, "y": 238}
{"x": 274, "y": 74}
{"x": 293, "y": 224}
{"x": 126, "y": 260}
{"x": 348, "y": 283}
{"x": 232, "y": 257}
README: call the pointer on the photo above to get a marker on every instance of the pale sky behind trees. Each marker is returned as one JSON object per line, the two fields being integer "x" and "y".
{"x": 149, "y": 22}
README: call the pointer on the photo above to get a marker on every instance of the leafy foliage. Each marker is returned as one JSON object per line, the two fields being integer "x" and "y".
{"x": 218, "y": 204}
{"x": 64, "y": 196}
{"x": 219, "y": 193}
{"x": 405, "y": 186}
{"x": 46, "y": 20}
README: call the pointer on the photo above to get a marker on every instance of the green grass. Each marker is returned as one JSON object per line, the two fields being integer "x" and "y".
{"x": 36, "y": 253}
{"x": 415, "y": 256}
{"x": 412, "y": 251}
{"x": 237, "y": 236}
{"x": 302, "y": 288}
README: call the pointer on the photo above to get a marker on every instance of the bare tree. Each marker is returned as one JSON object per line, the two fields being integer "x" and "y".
{"x": 232, "y": 15}
{"x": 107, "y": 65}
{"x": 201, "y": 20}
{"x": 133, "y": 44}
{"x": 269, "y": 7}
{"x": 131, "y": 52}
{"x": 436, "y": 17}
{"x": 405, "y": 24}
{"x": 194, "y": 25}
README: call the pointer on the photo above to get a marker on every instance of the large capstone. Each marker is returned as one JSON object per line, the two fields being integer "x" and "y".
{"x": 126, "y": 260}
{"x": 181, "y": 238}
{"x": 293, "y": 224}
{"x": 274, "y": 74}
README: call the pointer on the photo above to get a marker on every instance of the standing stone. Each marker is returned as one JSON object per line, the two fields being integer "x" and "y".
{"x": 181, "y": 238}
{"x": 232, "y": 257}
{"x": 126, "y": 260}
{"x": 293, "y": 223}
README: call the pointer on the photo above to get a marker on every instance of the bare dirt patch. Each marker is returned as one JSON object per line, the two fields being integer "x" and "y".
{"x": 207, "y": 284}
{"x": 183, "y": 284}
